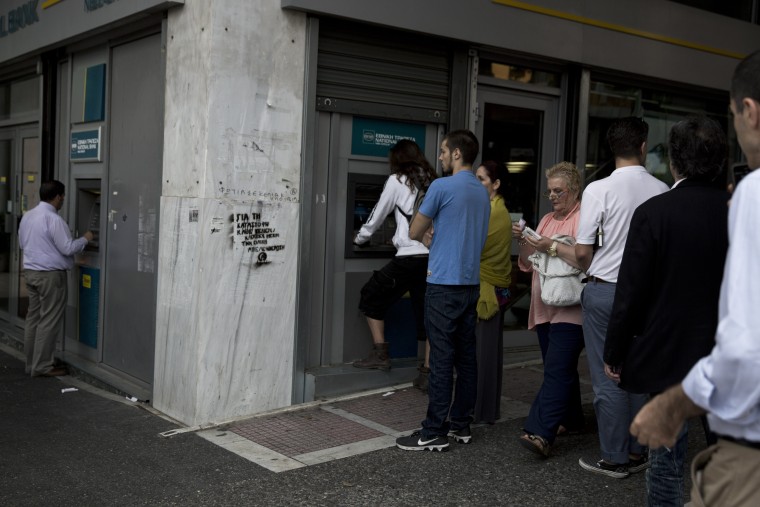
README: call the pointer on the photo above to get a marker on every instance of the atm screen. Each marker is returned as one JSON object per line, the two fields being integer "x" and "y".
{"x": 93, "y": 224}
{"x": 363, "y": 193}
{"x": 88, "y": 211}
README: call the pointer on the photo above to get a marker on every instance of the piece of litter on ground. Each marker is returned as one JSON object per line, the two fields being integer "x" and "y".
{"x": 131, "y": 398}
{"x": 69, "y": 389}
{"x": 389, "y": 393}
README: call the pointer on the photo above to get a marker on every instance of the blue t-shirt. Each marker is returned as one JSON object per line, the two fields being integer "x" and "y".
{"x": 460, "y": 208}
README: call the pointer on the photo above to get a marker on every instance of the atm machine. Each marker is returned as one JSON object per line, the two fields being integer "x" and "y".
{"x": 88, "y": 262}
{"x": 363, "y": 192}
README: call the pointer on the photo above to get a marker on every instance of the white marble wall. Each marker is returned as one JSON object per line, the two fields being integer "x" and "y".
{"x": 230, "y": 210}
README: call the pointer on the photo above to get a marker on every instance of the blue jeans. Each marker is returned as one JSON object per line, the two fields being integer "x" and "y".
{"x": 450, "y": 318}
{"x": 614, "y": 407}
{"x": 559, "y": 399}
{"x": 665, "y": 474}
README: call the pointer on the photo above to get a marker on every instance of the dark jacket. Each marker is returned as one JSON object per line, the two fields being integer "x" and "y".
{"x": 666, "y": 301}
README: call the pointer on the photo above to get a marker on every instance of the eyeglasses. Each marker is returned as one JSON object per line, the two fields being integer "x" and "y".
{"x": 555, "y": 193}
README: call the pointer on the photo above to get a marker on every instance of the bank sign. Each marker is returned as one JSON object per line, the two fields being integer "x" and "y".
{"x": 375, "y": 137}
{"x": 85, "y": 146}
{"x": 27, "y": 26}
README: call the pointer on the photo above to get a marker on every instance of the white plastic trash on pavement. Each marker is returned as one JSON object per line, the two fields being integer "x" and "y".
{"x": 69, "y": 389}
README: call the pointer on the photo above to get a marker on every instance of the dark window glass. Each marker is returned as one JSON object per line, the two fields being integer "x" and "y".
{"x": 19, "y": 98}
{"x": 660, "y": 109}
{"x": 520, "y": 74}
{"x": 739, "y": 9}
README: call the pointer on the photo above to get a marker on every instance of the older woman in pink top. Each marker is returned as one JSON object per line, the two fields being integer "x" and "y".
{"x": 558, "y": 403}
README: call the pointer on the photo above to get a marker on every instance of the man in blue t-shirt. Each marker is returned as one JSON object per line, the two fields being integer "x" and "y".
{"x": 453, "y": 222}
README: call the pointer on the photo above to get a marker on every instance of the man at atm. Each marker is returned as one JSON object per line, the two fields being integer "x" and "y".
{"x": 48, "y": 254}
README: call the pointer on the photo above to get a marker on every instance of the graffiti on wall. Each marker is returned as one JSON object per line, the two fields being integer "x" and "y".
{"x": 290, "y": 195}
{"x": 256, "y": 236}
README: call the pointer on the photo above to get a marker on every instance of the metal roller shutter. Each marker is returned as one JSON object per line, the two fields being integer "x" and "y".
{"x": 381, "y": 72}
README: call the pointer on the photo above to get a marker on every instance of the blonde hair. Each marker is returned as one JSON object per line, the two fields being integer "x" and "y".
{"x": 568, "y": 172}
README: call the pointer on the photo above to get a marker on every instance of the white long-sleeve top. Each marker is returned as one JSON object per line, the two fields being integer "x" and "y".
{"x": 396, "y": 197}
{"x": 727, "y": 382}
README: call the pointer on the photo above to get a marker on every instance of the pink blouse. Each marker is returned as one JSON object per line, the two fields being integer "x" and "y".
{"x": 540, "y": 312}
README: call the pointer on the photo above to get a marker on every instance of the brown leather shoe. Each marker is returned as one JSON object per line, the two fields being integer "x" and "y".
{"x": 56, "y": 372}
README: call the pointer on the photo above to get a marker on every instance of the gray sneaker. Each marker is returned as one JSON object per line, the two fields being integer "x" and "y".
{"x": 602, "y": 467}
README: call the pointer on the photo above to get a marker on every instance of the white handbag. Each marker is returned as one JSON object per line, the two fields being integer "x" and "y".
{"x": 560, "y": 282}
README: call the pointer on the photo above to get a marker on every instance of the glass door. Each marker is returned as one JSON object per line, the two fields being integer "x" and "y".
{"x": 19, "y": 192}
{"x": 520, "y": 130}
{"x": 28, "y": 197}
{"x": 7, "y": 222}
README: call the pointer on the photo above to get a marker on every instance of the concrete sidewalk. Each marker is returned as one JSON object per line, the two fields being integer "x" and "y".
{"x": 88, "y": 447}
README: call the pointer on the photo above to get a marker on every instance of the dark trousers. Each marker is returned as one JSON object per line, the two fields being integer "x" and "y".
{"x": 559, "y": 399}
{"x": 450, "y": 318}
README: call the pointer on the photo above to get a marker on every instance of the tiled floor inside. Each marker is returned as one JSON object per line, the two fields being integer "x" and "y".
{"x": 341, "y": 428}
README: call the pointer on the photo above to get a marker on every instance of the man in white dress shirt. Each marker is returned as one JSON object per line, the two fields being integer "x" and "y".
{"x": 48, "y": 255}
{"x": 726, "y": 384}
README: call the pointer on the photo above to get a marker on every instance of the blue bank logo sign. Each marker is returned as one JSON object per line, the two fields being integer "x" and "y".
{"x": 374, "y": 137}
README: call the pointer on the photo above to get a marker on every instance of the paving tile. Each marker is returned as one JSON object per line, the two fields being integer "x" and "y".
{"x": 403, "y": 410}
{"x": 301, "y": 432}
{"x": 348, "y": 427}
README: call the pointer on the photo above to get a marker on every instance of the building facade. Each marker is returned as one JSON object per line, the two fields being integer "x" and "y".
{"x": 226, "y": 152}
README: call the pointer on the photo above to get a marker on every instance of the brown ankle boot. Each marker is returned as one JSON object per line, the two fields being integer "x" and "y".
{"x": 378, "y": 359}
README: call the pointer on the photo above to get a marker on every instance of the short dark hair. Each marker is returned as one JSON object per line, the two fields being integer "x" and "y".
{"x": 49, "y": 190}
{"x": 466, "y": 142}
{"x": 698, "y": 148}
{"x": 626, "y": 135}
{"x": 746, "y": 81}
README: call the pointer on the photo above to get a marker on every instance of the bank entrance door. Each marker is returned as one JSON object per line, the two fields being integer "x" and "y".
{"x": 523, "y": 131}
{"x": 19, "y": 192}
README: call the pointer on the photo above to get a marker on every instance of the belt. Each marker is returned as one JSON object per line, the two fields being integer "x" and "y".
{"x": 594, "y": 279}
{"x": 741, "y": 441}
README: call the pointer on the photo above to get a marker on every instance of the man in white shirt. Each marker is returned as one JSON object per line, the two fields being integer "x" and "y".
{"x": 726, "y": 384}
{"x": 606, "y": 210}
{"x": 48, "y": 255}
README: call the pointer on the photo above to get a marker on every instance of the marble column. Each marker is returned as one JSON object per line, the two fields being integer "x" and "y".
{"x": 225, "y": 330}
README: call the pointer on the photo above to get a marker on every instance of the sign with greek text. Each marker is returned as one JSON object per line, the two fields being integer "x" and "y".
{"x": 374, "y": 137}
{"x": 85, "y": 146}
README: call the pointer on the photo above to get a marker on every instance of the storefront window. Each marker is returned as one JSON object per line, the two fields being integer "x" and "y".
{"x": 19, "y": 98}
{"x": 661, "y": 110}
{"x": 518, "y": 74}
{"x": 739, "y": 9}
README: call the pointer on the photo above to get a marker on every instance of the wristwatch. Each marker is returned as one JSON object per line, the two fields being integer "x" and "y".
{"x": 552, "y": 251}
